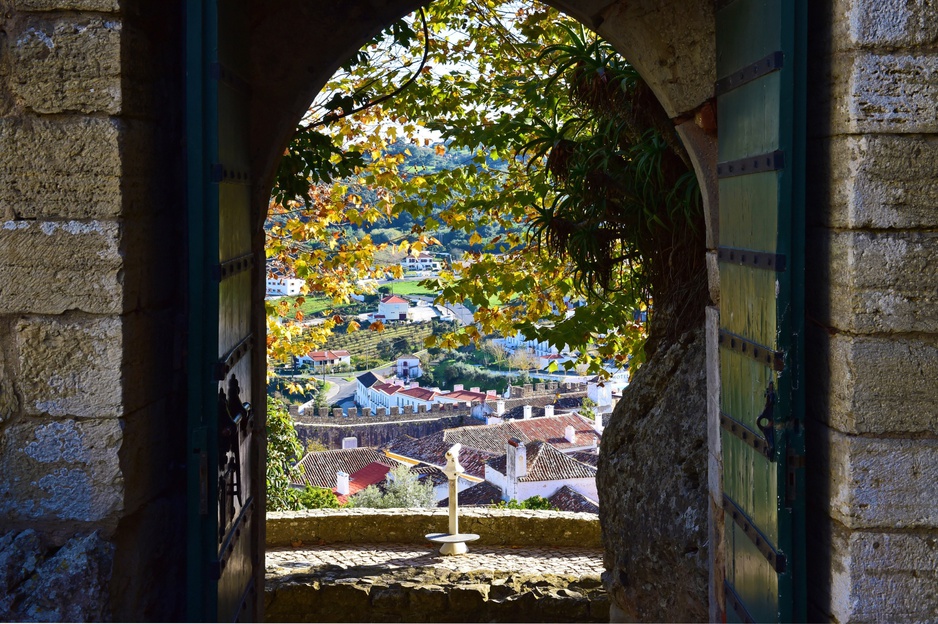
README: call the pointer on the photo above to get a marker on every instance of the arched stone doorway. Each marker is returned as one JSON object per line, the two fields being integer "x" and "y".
{"x": 92, "y": 274}
{"x": 674, "y": 52}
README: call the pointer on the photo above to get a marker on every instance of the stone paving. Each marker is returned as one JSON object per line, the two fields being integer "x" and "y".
{"x": 561, "y": 561}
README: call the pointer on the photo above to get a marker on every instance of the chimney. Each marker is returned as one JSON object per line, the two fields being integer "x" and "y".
{"x": 457, "y": 387}
{"x": 516, "y": 465}
{"x": 351, "y": 442}
{"x": 570, "y": 434}
{"x": 499, "y": 408}
{"x": 475, "y": 389}
{"x": 491, "y": 393}
{"x": 527, "y": 412}
{"x": 548, "y": 410}
{"x": 341, "y": 483}
{"x": 413, "y": 384}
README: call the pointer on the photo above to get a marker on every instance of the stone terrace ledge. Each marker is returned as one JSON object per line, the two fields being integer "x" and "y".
{"x": 363, "y": 565}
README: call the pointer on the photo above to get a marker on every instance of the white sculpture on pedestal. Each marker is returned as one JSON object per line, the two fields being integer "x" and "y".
{"x": 454, "y": 542}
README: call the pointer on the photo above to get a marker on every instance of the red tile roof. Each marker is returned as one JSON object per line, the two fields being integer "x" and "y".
{"x": 553, "y": 429}
{"x": 319, "y": 468}
{"x": 568, "y": 499}
{"x": 327, "y": 356}
{"x": 591, "y": 458}
{"x": 545, "y": 463}
{"x": 424, "y": 394}
{"x": 432, "y": 449}
{"x": 465, "y": 395}
{"x": 387, "y": 388}
{"x": 483, "y": 493}
{"x": 394, "y": 299}
{"x": 373, "y": 473}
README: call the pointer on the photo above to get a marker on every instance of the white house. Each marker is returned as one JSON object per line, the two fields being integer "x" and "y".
{"x": 392, "y": 308}
{"x": 284, "y": 286}
{"x": 422, "y": 262}
{"x": 326, "y": 360}
{"x": 408, "y": 367}
{"x": 538, "y": 469}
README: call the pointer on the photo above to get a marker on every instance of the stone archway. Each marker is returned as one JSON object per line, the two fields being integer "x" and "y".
{"x": 672, "y": 44}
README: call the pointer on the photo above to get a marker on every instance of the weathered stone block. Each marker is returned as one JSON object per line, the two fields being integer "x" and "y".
{"x": 70, "y": 366}
{"x": 887, "y": 23}
{"x": 72, "y": 585}
{"x": 862, "y": 385}
{"x": 66, "y": 64}
{"x": 884, "y": 93}
{"x": 877, "y": 483}
{"x": 99, "y": 6}
{"x": 878, "y": 577}
{"x": 877, "y": 281}
{"x": 61, "y": 470}
{"x": 62, "y": 167}
{"x": 53, "y": 266}
{"x": 881, "y": 182}
{"x": 9, "y": 402}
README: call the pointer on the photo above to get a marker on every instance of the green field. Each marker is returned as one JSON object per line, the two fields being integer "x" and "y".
{"x": 402, "y": 287}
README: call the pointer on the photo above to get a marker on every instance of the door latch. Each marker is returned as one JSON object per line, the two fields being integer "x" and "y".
{"x": 766, "y": 421}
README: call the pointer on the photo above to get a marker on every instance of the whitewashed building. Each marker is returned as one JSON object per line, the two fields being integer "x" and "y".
{"x": 284, "y": 286}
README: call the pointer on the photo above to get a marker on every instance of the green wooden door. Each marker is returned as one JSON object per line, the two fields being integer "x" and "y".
{"x": 760, "y": 102}
{"x": 224, "y": 501}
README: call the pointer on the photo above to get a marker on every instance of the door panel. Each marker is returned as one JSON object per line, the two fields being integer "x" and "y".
{"x": 225, "y": 514}
{"x": 760, "y": 102}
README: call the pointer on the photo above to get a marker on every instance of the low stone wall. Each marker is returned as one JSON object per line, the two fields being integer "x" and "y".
{"x": 426, "y": 595}
{"x": 495, "y": 527}
{"x": 409, "y": 593}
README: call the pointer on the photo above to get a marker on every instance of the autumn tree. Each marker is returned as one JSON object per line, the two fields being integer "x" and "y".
{"x": 569, "y": 156}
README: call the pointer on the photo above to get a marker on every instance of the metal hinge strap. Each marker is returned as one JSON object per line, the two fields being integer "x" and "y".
{"x": 755, "y": 259}
{"x": 773, "y": 161}
{"x": 747, "y": 435}
{"x": 227, "y": 363}
{"x": 763, "y": 67}
{"x": 226, "y": 174}
{"x": 733, "y": 600}
{"x": 776, "y": 559}
{"x": 239, "y": 527}
{"x": 758, "y": 352}
{"x": 232, "y": 267}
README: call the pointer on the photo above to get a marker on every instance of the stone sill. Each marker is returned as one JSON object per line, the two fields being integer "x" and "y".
{"x": 495, "y": 527}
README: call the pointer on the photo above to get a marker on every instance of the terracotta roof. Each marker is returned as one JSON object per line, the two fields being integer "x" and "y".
{"x": 590, "y": 458}
{"x": 387, "y": 388}
{"x": 326, "y": 356}
{"x": 553, "y": 429}
{"x": 373, "y": 473}
{"x": 466, "y": 395}
{"x": 319, "y": 468}
{"x": 394, "y": 299}
{"x": 424, "y": 394}
{"x": 369, "y": 379}
{"x": 545, "y": 463}
{"x": 435, "y": 475}
{"x": 568, "y": 499}
{"x": 489, "y": 438}
{"x": 483, "y": 493}
{"x": 432, "y": 449}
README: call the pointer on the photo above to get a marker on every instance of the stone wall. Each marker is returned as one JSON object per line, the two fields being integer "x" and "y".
{"x": 872, "y": 339}
{"x": 431, "y": 595}
{"x": 377, "y": 433}
{"x": 496, "y": 527}
{"x": 91, "y": 220}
